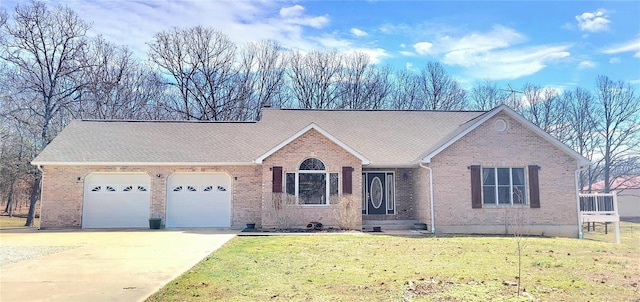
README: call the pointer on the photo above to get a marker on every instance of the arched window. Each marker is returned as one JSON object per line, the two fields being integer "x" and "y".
{"x": 312, "y": 184}
{"x": 311, "y": 164}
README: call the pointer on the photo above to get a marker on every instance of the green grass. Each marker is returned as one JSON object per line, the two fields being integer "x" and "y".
{"x": 9, "y": 223}
{"x": 392, "y": 268}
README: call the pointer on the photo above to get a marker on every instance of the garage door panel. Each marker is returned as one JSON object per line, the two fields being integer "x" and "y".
{"x": 199, "y": 200}
{"x": 116, "y": 200}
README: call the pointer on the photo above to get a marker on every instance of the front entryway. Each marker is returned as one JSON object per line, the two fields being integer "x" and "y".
{"x": 198, "y": 200}
{"x": 378, "y": 193}
{"x": 116, "y": 200}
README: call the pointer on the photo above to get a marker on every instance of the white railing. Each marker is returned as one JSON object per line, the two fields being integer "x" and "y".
{"x": 602, "y": 208}
{"x": 599, "y": 203}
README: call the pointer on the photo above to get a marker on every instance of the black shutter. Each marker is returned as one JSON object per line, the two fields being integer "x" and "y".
{"x": 277, "y": 179}
{"x": 476, "y": 187}
{"x": 347, "y": 182}
{"x": 534, "y": 187}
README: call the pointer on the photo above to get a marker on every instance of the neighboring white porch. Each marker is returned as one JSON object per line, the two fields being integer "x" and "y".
{"x": 602, "y": 208}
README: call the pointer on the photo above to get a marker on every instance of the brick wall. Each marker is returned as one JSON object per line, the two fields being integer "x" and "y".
{"x": 515, "y": 147}
{"x": 422, "y": 198}
{"x": 63, "y": 192}
{"x": 310, "y": 144}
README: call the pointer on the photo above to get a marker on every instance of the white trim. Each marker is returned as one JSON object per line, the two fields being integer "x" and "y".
{"x": 503, "y": 108}
{"x": 410, "y": 165}
{"x": 143, "y": 163}
{"x": 304, "y": 130}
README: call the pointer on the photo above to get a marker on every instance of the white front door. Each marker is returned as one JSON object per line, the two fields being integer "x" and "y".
{"x": 116, "y": 200}
{"x": 198, "y": 200}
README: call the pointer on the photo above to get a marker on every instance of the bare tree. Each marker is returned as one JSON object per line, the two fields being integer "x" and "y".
{"x": 582, "y": 135}
{"x": 314, "y": 78}
{"x": 404, "y": 94}
{"x": 263, "y": 66}
{"x": 3, "y": 20}
{"x": 362, "y": 85}
{"x": 117, "y": 86}
{"x": 438, "y": 91}
{"x": 619, "y": 125}
{"x": 544, "y": 107}
{"x": 43, "y": 46}
{"x": 486, "y": 95}
{"x": 199, "y": 62}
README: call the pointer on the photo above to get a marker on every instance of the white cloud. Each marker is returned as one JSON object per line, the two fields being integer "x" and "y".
{"x": 358, "y": 32}
{"x": 586, "y": 64}
{"x": 403, "y": 45}
{"x": 292, "y": 11}
{"x": 328, "y": 41}
{"x": 630, "y": 46}
{"x": 494, "y": 54}
{"x": 376, "y": 55}
{"x": 593, "y": 21}
{"x": 407, "y": 53}
{"x": 422, "y": 47}
{"x": 409, "y": 66}
{"x": 614, "y": 60}
{"x": 134, "y": 23}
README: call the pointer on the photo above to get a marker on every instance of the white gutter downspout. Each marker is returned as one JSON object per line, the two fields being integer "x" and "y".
{"x": 577, "y": 181}
{"x": 41, "y": 193}
{"x": 433, "y": 224}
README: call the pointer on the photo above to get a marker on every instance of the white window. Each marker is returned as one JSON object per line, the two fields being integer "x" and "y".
{"x": 312, "y": 184}
{"x": 503, "y": 186}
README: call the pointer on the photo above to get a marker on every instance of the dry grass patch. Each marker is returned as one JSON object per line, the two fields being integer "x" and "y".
{"x": 396, "y": 268}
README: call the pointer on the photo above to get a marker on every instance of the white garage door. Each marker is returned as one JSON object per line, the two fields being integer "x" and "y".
{"x": 116, "y": 200}
{"x": 199, "y": 200}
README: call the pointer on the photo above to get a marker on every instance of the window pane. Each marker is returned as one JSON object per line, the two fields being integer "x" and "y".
{"x": 518, "y": 176}
{"x": 503, "y": 176}
{"x": 333, "y": 184}
{"x": 390, "y": 191}
{"x": 312, "y": 164}
{"x": 519, "y": 195}
{"x": 312, "y": 188}
{"x": 488, "y": 176}
{"x": 489, "y": 194}
{"x": 364, "y": 193}
{"x": 290, "y": 183}
{"x": 504, "y": 195}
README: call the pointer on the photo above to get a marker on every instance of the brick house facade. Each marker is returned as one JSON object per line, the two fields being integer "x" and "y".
{"x": 304, "y": 162}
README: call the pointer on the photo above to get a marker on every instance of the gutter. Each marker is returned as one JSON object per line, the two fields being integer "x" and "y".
{"x": 46, "y": 163}
{"x": 433, "y": 224}
{"x": 41, "y": 194}
{"x": 576, "y": 179}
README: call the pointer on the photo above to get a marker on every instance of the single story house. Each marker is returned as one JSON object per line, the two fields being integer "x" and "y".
{"x": 458, "y": 172}
{"x": 627, "y": 189}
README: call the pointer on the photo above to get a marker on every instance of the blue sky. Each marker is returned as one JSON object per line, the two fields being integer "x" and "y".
{"x": 560, "y": 44}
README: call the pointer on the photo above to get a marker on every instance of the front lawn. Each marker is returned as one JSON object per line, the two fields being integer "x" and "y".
{"x": 15, "y": 222}
{"x": 365, "y": 267}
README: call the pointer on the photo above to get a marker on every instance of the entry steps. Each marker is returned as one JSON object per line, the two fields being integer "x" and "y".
{"x": 368, "y": 225}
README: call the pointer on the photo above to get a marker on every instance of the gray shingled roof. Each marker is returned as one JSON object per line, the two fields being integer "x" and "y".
{"x": 385, "y": 138}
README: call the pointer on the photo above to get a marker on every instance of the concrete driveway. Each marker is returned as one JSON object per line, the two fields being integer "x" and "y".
{"x": 85, "y": 265}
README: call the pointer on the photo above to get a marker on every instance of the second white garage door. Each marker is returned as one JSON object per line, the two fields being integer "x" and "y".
{"x": 198, "y": 200}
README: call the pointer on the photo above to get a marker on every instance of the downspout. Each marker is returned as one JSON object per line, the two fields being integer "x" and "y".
{"x": 433, "y": 224}
{"x": 577, "y": 182}
{"x": 41, "y": 194}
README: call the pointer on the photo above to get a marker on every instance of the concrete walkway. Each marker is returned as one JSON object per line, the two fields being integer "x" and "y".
{"x": 101, "y": 265}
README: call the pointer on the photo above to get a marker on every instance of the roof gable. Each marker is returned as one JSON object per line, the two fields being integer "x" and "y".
{"x": 306, "y": 129}
{"x": 474, "y": 123}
